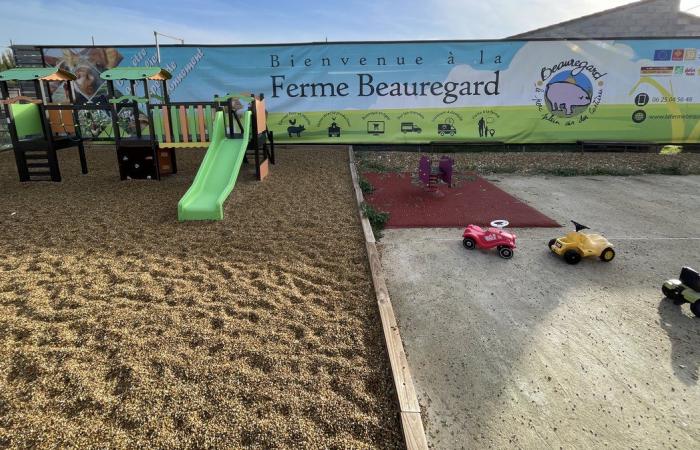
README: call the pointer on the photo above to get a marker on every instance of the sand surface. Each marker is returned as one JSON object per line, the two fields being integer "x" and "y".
{"x": 121, "y": 327}
{"x": 533, "y": 353}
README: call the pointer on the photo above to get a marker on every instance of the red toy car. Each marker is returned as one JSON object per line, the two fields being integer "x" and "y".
{"x": 475, "y": 236}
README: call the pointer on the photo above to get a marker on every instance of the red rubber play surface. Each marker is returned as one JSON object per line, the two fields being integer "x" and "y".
{"x": 472, "y": 200}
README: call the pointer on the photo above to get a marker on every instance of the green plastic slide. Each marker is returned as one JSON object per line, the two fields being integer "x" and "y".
{"x": 217, "y": 175}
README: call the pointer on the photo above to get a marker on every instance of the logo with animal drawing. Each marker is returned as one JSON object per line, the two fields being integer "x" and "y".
{"x": 569, "y": 92}
{"x": 294, "y": 123}
{"x": 294, "y": 129}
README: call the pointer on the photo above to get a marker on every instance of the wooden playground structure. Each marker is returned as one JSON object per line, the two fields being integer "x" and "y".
{"x": 146, "y": 129}
{"x": 38, "y": 127}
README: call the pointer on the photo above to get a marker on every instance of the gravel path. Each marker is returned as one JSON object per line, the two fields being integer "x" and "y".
{"x": 121, "y": 327}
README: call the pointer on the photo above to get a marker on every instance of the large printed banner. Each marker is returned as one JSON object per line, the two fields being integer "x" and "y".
{"x": 497, "y": 91}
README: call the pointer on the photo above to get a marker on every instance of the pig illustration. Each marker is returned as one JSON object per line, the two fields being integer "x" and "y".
{"x": 564, "y": 96}
{"x": 295, "y": 130}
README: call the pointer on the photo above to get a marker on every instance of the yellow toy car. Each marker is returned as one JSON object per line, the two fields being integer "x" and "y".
{"x": 576, "y": 244}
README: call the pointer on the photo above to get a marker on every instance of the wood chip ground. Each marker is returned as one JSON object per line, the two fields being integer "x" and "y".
{"x": 120, "y": 327}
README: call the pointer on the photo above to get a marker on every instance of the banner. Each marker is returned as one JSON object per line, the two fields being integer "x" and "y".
{"x": 421, "y": 92}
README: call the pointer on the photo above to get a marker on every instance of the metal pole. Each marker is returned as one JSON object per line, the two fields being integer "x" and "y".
{"x": 155, "y": 34}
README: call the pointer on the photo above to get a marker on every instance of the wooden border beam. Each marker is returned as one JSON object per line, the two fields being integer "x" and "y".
{"x": 413, "y": 431}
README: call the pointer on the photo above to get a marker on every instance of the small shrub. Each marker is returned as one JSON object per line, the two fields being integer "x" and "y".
{"x": 368, "y": 165}
{"x": 377, "y": 219}
{"x": 366, "y": 186}
{"x": 592, "y": 171}
{"x": 501, "y": 169}
{"x": 614, "y": 171}
{"x": 669, "y": 170}
{"x": 561, "y": 172}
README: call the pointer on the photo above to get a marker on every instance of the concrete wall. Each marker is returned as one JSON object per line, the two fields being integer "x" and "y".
{"x": 648, "y": 18}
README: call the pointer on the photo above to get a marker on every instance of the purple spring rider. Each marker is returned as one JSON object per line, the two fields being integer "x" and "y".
{"x": 430, "y": 176}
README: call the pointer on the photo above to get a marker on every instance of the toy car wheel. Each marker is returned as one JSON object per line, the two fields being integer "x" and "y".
{"x": 695, "y": 307}
{"x": 607, "y": 255}
{"x": 551, "y": 243}
{"x": 672, "y": 295}
{"x": 572, "y": 257}
{"x": 505, "y": 252}
{"x": 469, "y": 243}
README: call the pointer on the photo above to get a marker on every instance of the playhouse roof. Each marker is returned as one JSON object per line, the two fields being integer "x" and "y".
{"x": 136, "y": 73}
{"x": 36, "y": 73}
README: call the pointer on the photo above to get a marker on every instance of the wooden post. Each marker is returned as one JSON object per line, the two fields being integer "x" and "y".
{"x": 166, "y": 97}
{"x": 48, "y": 135}
{"x": 115, "y": 127}
{"x": 39, "y": 92}
{"x": 115, "y": 113}
{"x": 153, "y": 141}
{"x": 173, "y": 159}
{"x": 151, "y": 128}
{"x": 172, "y": 134}
{"x": 78, "y": 132}
{"x": 47, "y": 87}
{"x": 42, "y": 112}
{"x": 21, "y": 162}
{"x": 51, "y": 151}
{"x": 255, "y": 141}
{"x": 231, "y": 114}
{"x": 135, "y": 109}
{"x": 201, "y": 124}
{"x": 268, "y": 150}
{"x": 271, "y": 137}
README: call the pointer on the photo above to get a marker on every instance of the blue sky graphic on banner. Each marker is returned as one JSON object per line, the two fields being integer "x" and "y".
{"x": 558, "y": 87}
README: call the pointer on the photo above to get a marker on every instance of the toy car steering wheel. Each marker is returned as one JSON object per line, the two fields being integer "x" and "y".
{"x": 500, "y": 223}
